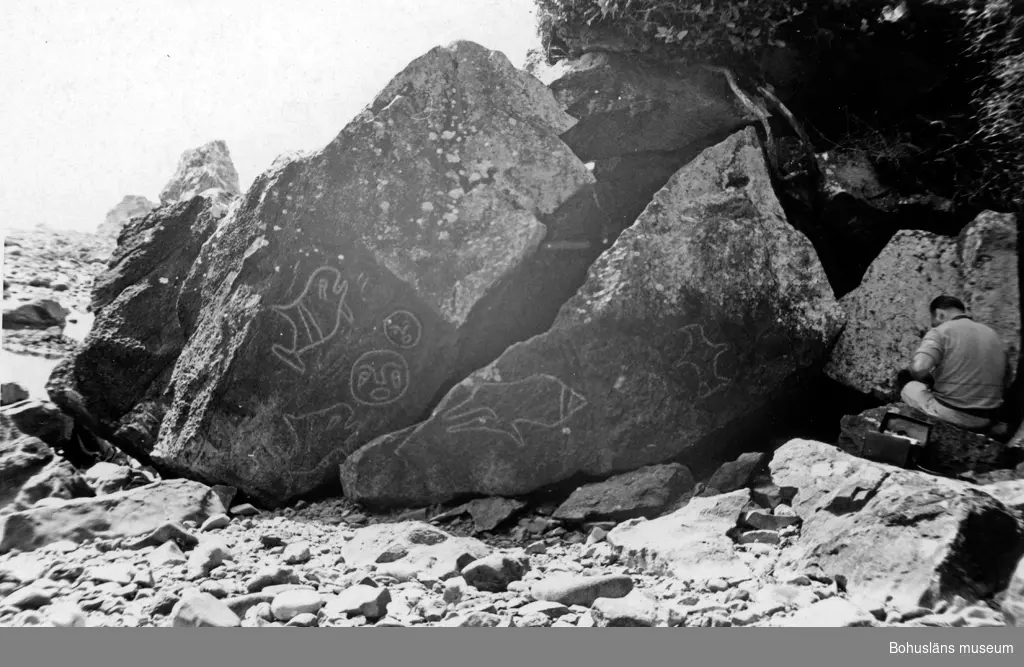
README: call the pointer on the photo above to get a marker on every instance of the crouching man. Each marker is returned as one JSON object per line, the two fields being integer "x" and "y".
{"x": 967, "y": 365}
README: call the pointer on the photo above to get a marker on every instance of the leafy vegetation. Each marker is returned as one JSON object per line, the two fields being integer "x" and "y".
{"x": 964, "y": 140}
{"x": 701, "y": 28}
{"x": 997, "y": 41}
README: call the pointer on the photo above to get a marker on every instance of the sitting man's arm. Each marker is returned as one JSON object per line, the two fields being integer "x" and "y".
{"x": 921, "y": 367}
{"x": 927, "y": 357}
{"x": 1008, "y": 377}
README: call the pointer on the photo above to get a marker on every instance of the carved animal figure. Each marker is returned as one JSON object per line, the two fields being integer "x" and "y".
{"x": 315, "y": 316}
{"x": 335, "y": 422}
{"x": 503, "y": 408}
{"x": 704, "y": 359}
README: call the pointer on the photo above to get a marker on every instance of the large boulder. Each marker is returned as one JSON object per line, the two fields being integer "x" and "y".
{"x": 862, "y": 213}
{"x": 894, "y": 532}
{"x": 348, "y": 286}
{"x": 640, "y": 120}
{"x": 703, "y": 311}
{"x": 115, "y": 382}
{"x": 989, "y": 261}
{"x": 630, "y": 104}
{"x": 888, "y": 313}
{"x": 200, "y": 169}
{"x": 124, "y": 514}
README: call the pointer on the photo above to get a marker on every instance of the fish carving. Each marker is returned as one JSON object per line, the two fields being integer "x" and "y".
{"x": 503, "y": 408}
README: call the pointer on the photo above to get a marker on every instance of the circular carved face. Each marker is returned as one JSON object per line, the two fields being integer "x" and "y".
{"x": 403, "y": 328}
{"x": 379, "y": 377}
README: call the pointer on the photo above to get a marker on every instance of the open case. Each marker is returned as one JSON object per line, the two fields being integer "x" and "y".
{"x": 900, "y": 440}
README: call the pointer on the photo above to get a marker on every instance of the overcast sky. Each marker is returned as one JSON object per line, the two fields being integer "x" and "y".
{"x": 100, "y": 98}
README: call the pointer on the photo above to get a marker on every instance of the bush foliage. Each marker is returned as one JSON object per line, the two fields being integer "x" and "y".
{"x": 982, "y": 157}
{"x": 702, "y": 28}
{"x": 997, "y": 34}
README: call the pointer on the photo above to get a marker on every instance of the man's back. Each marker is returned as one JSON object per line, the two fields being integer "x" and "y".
{"x": 970, "y": 369}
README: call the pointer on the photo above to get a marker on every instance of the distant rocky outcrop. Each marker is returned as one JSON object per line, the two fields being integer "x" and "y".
{"x": 132, "y": 206}
{"x": 706, "y": 310}
{"x": 888, "y": 313}
{"x": 200, "y": 169}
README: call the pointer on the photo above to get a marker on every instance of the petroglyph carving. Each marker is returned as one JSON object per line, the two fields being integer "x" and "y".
{"x": 333, "y": 428}
{"x": 705, "y": 359}
{"x": 379, "y": 377}
{"x": 502, "y": 408}
{"x": 336, "y": 421}
{"x": 403, "y": 329}
{"x": 315, "y": 316}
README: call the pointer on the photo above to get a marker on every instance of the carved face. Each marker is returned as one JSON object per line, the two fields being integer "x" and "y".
{"x": 379, "y": 377}
{"x": 402, "y": 328}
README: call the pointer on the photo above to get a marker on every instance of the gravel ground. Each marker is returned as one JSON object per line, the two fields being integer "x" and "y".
{"x": 286, "y": 568}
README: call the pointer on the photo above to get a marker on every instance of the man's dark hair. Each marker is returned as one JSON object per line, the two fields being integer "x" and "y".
{"x": 946, "y": 302}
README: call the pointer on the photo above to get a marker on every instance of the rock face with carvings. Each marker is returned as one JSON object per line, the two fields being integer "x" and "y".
{"x": 132, "y": 206}
{"x": 888, "y": 313}
{"x": 334, "y": 302}
{"x": 703, "y": 311}
{"x": 200, "y": 169}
